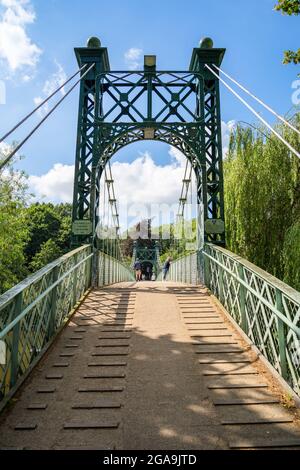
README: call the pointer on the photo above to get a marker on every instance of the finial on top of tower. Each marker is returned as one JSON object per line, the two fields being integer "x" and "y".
{"x": 206, "y": 43}
{"x": 94, "y": 42}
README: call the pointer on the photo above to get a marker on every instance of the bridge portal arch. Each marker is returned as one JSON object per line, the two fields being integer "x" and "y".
{"x": 181, "y": 108}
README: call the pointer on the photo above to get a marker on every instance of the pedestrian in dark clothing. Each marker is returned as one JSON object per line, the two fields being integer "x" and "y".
{"x": 138, "y": 270}
{"x": 148, "y": 273}
{"x": 166, "y": 268}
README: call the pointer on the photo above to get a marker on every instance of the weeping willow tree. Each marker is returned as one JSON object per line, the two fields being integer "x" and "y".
{"x": 262, "y": 200}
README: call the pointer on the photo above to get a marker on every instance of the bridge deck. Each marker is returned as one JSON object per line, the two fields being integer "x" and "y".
{"x": 149, "y": 366}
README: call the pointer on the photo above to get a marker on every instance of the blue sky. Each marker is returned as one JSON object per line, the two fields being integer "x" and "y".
{"x": 254, "y": 35}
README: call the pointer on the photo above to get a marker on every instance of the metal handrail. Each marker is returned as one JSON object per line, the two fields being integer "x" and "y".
{"x": 288, "y": 290}
{"x": 34, "y": 311}
{"x": 180, "y": 272}
{"x": 264, "y": 301}
{"x": 41, "y": 296}
{"x": 117, "y": 270}
{"x": 18, "y": 288}
{"x": 266, "y": 309}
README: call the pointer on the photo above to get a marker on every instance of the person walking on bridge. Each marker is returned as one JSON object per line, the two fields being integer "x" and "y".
{"x": 166, "y": 268}
{"x": 138, "y": 270}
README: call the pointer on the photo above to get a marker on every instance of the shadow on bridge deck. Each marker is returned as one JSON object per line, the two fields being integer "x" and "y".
{"x": 149, "y": 366}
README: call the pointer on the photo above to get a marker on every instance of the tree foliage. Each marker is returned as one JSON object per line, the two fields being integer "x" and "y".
{"x": 290, "y": 7}
{"x": 47, "y": 222}
{"x": 13, "y": 230}
{"x": 30, "y": 235}
{"x": 49, "y": 251}
{"x": 43, "y": 224}
{"x": 262, "y": 198}
{"x": 291, "y": 57}
{"x": 291, "y": 255}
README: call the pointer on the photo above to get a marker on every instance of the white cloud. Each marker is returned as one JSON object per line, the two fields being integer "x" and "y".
{"x": 16, "y": 48}
{"x": 17, "y": 176}
{"x": 54, "y": 186}
{"x": 178, "y": 158}
{"x": 227, "y": 128}
{"x": 146, "y": 182}
{"x": 26, "y": 78}
{"x": 133, "y": 57}
{"x": 5, "y": 148}
{"x": 143, "y": 185}
{"x": 55, "y": 81}
{"x": 142, "y": 181}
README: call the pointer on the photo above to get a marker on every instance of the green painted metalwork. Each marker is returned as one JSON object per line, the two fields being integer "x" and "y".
{"x": 180, "y": 108}
{"x": 184, "y": 269}
{"x": 85, "y": 184}
{"x": 147, "y": 255}
{"x": 32, "y": 312}
{"x": 112, "y": 271}
{"x": 267, "y": 309}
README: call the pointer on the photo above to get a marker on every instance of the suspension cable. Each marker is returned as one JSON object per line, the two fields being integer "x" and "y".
{"x": 17, "y": 148}
{"x": 112, "y": 203}
{"x": 183, "y": 200}
{"x": 40, "y": 105}
{"x": 281, "y": 118}
{"x": 180, "y": 212}
{"x": 104, "y": 214}
{"x": 294, "y": 151}
{"x": 185, "y": 188}
{"x": 255, "y": 128}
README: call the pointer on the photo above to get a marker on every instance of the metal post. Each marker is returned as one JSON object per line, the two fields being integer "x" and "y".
{"x": 15, "y": 342}
{"x": 52, "y": 322}
{"x": 242, "y": 300}
{"x": 210, "y": 177}
{"x": 221, "y": 285}
{"x": 74, "y": 284}
{"x": 281, "y": 337}
{"x": 111, "y": 270}
{"x": 95, "y": 267}
{"x": 85, "y": 184}
{"x": 206, "y": 269}
{"x": 103, "y": 269}
{"x": 107, "y": 270}
{"x": 88, "y": 273}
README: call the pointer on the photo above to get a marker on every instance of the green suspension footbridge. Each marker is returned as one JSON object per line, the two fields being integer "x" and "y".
{"x": 91, "y": 359}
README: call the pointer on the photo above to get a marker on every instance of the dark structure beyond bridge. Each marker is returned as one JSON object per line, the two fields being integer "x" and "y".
{"x": 148, "y": 255}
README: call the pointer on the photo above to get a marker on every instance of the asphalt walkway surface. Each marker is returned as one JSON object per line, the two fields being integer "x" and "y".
{"x": 149, "y": 366}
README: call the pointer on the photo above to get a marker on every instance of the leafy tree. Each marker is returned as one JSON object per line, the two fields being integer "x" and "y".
{"x": 290, "y": 7}
{"x": 47, "y": 223}
{"x": 48, "y": 252}
{"x": 291, "y": 256}
{"x": 262, "y": 198}
{"x": 127, "y": 246}
{"x": 30, "y": 235}
{"x": 13, "y": 229}
{"x": 64, "y": 213}
{"x": 43, "y": 224}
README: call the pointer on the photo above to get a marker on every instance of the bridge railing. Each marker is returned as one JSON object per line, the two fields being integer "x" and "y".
{"x": 32, "y": 312}
{"x": 184, "y": 269}
{"x": 267, "y": 309}
{"x": 111, "y": 270}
